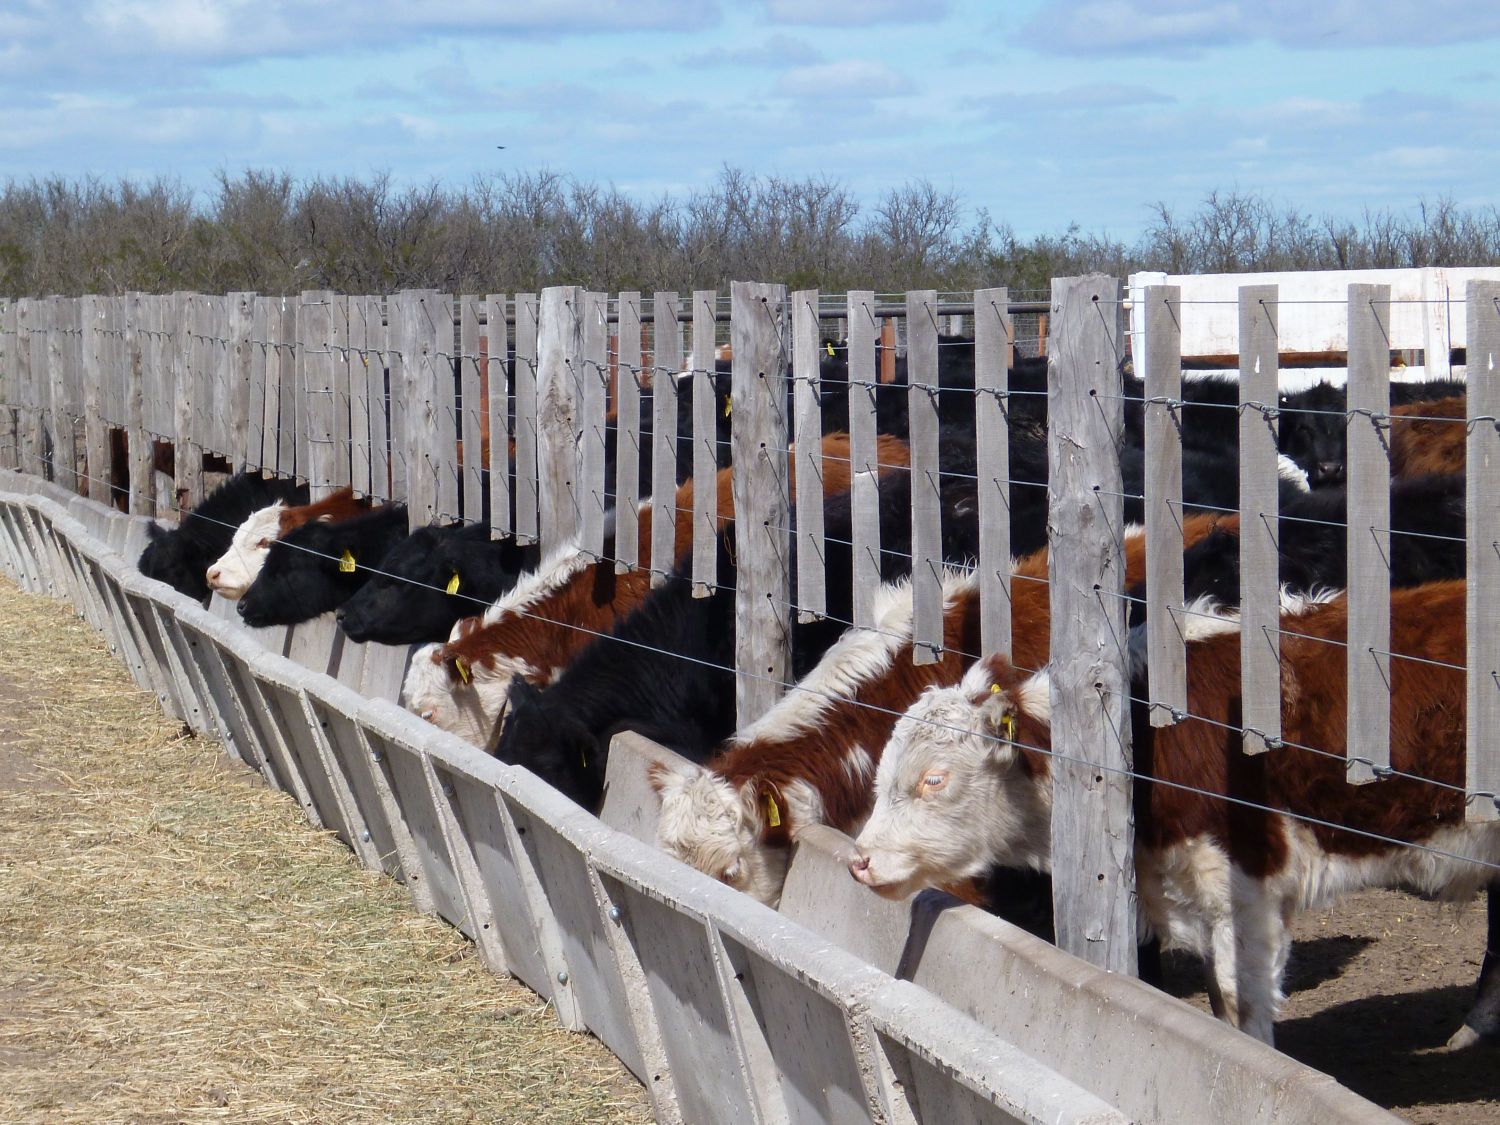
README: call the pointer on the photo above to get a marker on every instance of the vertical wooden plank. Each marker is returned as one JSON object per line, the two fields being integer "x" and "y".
{"x": 470, "y": 378}
{"x": 9, "y": 451}
{"x": 432, "y": 434}
{"x": 1166, "y": 648}
{"x": 528, "y": 483}
{"x": 1369, "y": 521}
{"x": 705, "y": 444}
{"x": 270, "y": 426}
{"x": 241, "y": 378}
{"x": 94, "y": 344}
{"x": 137, "y": 337}
{"x": 288, "y": 392}
{"x": 359, "y": 371}
{"x": 560, "y": 348}
{"x": 59, "y": 425}
{"x": 1260, "y": 605}
{"x": 812, "y": 600}
{"x": 314, "y": 327}
{"x": 338, "y": 341}
{"x": 33, "y": 440}
{"x": 992, "y": 334}
{"x": 1093, "y": 830}
{"x": 666, "y": 362}
{"x": 222, "y": 352}
{"x": 628, "y": 433}
{"x": 926, "y": 504}
{"x": 255, "y": 392}
{"x": 497, "y": 343}
{"x": 763, "y": 636}
{"x": 378, "y": 352}
{"x": 188, "y": 454}
{"x": 1483, "y": 349}
{"x": 863, "y": 452}
{"x": 593, "y": 405}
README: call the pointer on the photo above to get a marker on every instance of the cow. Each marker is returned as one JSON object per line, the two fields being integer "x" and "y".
{"x": 550, "y": 617}
{"x": 430, "y": 580}
{"x": 318, "y": 567}
{"x": 620, "y": 681}
{"x": 179, "y": 556}
{"x": 230, "y": 576}
{"x": 1230, "y": 846}
{"x": 811, "y": 759}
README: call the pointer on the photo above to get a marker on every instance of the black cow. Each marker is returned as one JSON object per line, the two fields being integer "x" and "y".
{"x": 181, "y": 556}
{"x": 431, "y": 579}
{"x": 318, "y": 567}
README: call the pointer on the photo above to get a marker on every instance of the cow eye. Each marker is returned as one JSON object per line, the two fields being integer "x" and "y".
{"x": 934, "y": 781}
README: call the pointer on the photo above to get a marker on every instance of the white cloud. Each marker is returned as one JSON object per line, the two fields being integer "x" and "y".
{"x": 847, "y": 78}
{"x": 1188, "y": 27}
{"x": 776, "y": 53}
{"x": 854, "y": 13}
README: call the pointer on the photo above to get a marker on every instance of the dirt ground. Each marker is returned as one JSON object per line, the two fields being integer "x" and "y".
{"x": 1375, "y": 987}
{"x": 179, "y": 946}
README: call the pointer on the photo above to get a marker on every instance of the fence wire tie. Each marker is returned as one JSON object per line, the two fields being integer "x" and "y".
{"x": 1271, "y": 412}
{"x": 1272, "y": 743}
{"x": 1492, "y": 419}
{"x": 1383, "y": 773}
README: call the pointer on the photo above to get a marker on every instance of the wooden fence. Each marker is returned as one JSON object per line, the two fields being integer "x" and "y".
{"x": 423, "y": 397}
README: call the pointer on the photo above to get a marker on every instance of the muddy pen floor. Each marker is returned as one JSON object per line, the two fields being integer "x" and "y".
{"x": 180, "y": 946}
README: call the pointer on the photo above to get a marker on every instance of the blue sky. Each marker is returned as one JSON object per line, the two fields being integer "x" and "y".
{"x": 1045, "y": 112}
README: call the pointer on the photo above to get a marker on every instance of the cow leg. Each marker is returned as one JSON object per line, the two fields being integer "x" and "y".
{"x": 1483, "y": 1020}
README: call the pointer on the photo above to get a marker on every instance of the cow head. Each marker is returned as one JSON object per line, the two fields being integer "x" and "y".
{"x": 721, "y": 829}
{"x": 167, "y": 558}
{"x": 239, "y": 566}
{"x": 957, "y": 790}
{"x": 557, "y": 748}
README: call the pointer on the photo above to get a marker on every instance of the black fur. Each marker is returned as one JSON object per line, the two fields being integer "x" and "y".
{"x": 408, "y": 603}
{"x": 302, "y": 577}
{"x": 181, "y": 556}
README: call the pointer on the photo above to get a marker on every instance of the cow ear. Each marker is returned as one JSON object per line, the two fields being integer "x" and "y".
{"x": 997, "y": 715}
{"x": 672, "y": 777}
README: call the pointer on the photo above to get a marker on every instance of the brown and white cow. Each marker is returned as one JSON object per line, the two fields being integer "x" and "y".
{"x": 537, "y": 629}
{"x": 811, "y": 759}
{"x": 239, "y": 566}
{"x": 966, "y": 784}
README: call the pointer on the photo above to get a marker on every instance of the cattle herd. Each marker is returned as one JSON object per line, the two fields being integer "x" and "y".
{"x": 940, "y": 770}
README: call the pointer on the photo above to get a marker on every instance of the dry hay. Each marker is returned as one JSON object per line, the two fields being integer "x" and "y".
{"x": 181, "y": 946}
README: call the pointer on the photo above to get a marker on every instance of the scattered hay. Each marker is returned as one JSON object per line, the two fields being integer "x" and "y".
{"x": 181, "y": 946}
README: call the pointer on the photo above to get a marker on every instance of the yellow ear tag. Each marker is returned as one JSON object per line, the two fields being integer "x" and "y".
{"x": 346, "y": 562}
{"x": 728, "y": 406}
{"x": 461, "y": 666}
{"x": 1008, "y": 727}
{"x": 829, "y": 345}
{"x": 773, "y": 812}
{"x": 453, "y": 583}
{"x": 994, "y": 689}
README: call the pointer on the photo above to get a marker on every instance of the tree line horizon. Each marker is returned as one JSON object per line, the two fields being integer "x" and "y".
{"x": 270, "y": 232}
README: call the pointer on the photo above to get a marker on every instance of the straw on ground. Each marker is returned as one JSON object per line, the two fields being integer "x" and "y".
{"x": 181, "y": 946}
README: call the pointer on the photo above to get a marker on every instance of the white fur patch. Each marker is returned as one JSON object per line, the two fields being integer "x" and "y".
{"x": 240, "y": 565}
{"x": 1289, "y": 470}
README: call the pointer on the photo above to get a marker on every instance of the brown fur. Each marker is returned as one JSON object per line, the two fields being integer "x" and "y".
{"x": 550, "y": 633}
{"x": 340, "y": 505}
{"x": 867, "y": 718}
{"x": 1431, "y": 441}
{"x": 1427, "y": 740}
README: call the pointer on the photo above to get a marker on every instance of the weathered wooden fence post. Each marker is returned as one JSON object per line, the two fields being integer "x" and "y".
{"x": 593, "y": 408}
{"x": 666, "y": 362}
{"x": 1369, "y": 519}
{"x": 471, "y": 433}
{"x": 992, "y": 333}
{"x": 1093, "y": 829}
{"x": 1483, "y": 519}
{"x": 705, "y": 444}
{"x": 628, "y": 432}
{"x": 187, "y": 460}
{"x": 812, "y": 600}
{"x": 528, "y": 485}
{"x": 864, "y": 467}
{"x": 1160, "y": 363}
{"x": 497, "y": 344}
{"x": 138, "y": 335}
{"x": 9, "y": 379}
{"x": 560, "y": 352}
{"x": 926, "y": 482}
{"x": 95, "y": 347}
{"x": 759, "y": 329}
{"x": 314, "y": 329}
{"x": 1260, "y": 602}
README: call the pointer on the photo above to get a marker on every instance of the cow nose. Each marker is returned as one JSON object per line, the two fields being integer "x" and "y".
{"x": 427, "y": 714}
{"x": 859, "y": 867}
{"x": 1330, "y": 470}
{"x": 213, "y": 576}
